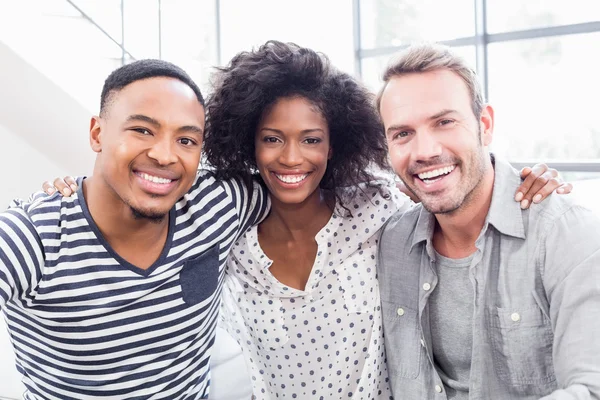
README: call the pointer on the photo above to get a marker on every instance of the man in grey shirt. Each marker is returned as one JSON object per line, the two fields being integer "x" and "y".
{"x": 481, "y": 299}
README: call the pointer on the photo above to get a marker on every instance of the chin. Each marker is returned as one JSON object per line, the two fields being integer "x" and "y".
{"x": 438, "y": 207}
{"x": 149, "y": 213}
{"x": 292, "y": 199}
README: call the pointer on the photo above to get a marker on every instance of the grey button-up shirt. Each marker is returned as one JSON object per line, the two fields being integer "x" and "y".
{"x": 536, "y": 286}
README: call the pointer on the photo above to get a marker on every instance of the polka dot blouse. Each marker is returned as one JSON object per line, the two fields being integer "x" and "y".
{"x": 324, "y": 342}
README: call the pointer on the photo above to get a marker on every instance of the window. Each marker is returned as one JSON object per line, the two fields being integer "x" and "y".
{"x": 545, "y": 93}
{"x": 538, "y": 63}
{"x": 516, "y": 15}
{"x": 386, "y": 23}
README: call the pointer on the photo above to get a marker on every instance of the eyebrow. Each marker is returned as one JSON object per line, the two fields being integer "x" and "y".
{"x": 442, "y": 113}
{"x": 303, "y": 131}
{"x": 155, "y": 123}
{"x": 143, "y": 118}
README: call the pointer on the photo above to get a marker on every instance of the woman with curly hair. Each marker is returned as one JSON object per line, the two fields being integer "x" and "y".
{"x": 301, "y": 295}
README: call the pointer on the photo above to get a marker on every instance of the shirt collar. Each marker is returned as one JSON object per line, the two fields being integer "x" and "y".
{"x": 505, "y": 213}
{"x": 424, "y": 228}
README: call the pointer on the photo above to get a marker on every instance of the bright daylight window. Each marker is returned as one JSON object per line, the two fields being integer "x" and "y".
{"x": 538, "y": 59}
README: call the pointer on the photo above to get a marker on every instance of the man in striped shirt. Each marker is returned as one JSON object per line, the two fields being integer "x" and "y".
{"x": 113, "y": 292}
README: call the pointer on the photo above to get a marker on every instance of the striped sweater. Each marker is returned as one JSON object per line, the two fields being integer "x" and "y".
{"x": 85, "y": 323}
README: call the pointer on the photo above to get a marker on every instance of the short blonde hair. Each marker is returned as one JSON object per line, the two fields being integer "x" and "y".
{"x": 426, "y": 57}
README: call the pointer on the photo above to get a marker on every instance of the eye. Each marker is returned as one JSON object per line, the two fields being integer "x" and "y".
{"x": 187, "y": 142}
{"x": 143, "y": 131}
{"x": 446, "y": 122}
{"x": 401, "y": 135}
{"x": 270, "y": 139}
{"x": 312, "y": 140}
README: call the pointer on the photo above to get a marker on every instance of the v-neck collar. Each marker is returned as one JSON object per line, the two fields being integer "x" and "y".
{"x": 80, "y": 199}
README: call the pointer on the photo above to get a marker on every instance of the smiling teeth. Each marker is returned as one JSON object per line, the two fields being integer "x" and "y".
{"x": 155, "y": 179}
{"x": 436, "y": 173}
{"x": 291, "y": 178}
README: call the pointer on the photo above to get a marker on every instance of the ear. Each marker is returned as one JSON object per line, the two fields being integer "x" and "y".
{"x": 487, "y": 125}
{"x": 330, "y": 153}
{"x": 96, "y": 134}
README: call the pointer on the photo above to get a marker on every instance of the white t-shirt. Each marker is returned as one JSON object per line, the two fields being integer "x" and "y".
{"x": 325, "y": 342}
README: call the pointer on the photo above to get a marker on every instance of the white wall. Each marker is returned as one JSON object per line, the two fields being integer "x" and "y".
{"x": 24, "y": 168}
{"x": 43, "y": 114}
{"x": 43, "y": 134}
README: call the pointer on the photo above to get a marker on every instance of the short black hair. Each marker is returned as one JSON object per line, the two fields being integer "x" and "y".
{"x": 253, "y": 81}
{"x": 144, "y": 69}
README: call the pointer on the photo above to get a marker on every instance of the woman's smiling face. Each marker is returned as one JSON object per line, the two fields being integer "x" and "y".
{"x": 292, "y": 149}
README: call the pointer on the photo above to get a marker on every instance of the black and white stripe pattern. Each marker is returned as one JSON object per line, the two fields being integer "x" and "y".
{"x": 85, "y": 323}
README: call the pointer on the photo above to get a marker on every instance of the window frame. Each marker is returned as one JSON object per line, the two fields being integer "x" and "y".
{"x": 481, "y": 40}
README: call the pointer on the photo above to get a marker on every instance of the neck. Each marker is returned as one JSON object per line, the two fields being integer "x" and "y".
{"x": 115, "y": 219}
{"x": 301, "y": 219}
{"x": 456, "y": 232}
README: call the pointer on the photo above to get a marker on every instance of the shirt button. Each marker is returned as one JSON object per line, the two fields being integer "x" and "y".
{"x": 515, "y": 317}
{"x": 400, "y": 311}
{"x": 438, "y": 388}
{"x": 426, "y": 286}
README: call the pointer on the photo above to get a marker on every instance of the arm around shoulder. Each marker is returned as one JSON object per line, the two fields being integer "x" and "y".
{"x": 251, "y": 200}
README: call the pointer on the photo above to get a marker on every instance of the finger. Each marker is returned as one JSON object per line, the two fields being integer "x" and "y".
{"x": 546, "y": 190}
{"x": 565, "y": 188}
{"x": 534, "y": 195}
{"x": 62, "y": 187}
{"x": 525, "y": 171}
{"x": 554, "y": 172}
{"x": 48, "y": 187}
{"x": 69, "y": 180}
{"x": 537, "y": 171}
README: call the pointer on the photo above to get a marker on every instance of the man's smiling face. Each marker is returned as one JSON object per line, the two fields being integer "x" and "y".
{"x": 149, "y": 142}
{"x": 436, "y": 145}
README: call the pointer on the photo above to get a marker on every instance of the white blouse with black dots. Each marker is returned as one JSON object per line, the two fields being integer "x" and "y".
{"x": 325, "y": 342}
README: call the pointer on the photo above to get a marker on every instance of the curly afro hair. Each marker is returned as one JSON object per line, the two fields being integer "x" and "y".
{"x": 253, "y": 81}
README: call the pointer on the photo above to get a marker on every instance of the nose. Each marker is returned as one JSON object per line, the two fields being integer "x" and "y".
{"x": 291, "y": 155}
{"x": 163, "y": 152}
{"x": 426, "y": 146}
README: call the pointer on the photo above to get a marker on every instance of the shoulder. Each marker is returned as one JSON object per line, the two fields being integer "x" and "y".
{"x": 205, "y": 191}
{"x": 403, "y": 223}
{"x": 25, "y": 219}
{"x": 39, "y": 204}
{"x": 205, "y": 179}
{"x": 377, "y": 196}
{"x": 566, "y": 236}
{"x": 564, "y": 209}
{"x": 561, "y": 221}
